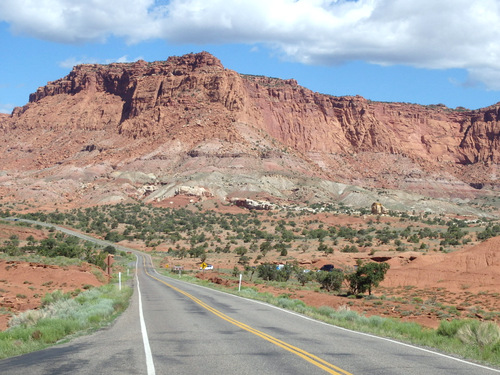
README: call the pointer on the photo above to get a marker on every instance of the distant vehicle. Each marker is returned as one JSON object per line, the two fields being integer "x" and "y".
{"x": 280, "y": 266}
{"x": 208, "y": 267}
{"x": 327, "y": 267}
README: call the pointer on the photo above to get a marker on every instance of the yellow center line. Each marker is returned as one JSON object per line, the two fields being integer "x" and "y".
{"x": 324, "y": 365}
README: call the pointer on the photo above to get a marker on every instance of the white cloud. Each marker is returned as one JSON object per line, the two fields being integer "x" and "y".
{"x": 80, "y": 21}
{"x": 123, "y": 59}
{"x": 425, "y": 33}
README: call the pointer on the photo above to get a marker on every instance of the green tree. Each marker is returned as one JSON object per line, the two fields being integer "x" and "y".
{"x": 110, "y": 249}
{"x": 11, "y": 247}
{"x": 244, "y": 260}
{"x": 331, "y": 281}
{"x": 31, "y": 240}
{"x": 349, "y": 249}
{"x": 236, "y": 271}
{"x": 241, "y": 250}
{"x": 270, "y": 272}
{"x": 267, "y": 271}
{"x": 366, "y": 276}
{"x": 303, "y": 277}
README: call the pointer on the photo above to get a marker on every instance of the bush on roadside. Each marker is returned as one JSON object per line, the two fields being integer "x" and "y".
{"x": 60, "y": 316}
{"x": 331, "y": 281}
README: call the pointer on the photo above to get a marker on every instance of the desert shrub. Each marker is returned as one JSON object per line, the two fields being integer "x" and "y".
{"x": 319, "y": 233}
{"x": 376, "y": 321}
{"x": 347, "y": 233}
{"x": 61, "y": 316}
{"x": 241, "y": 250}
{"x": 53, "y": 297}
{"x": 490, "y": 231}
{"x": 114, "y": 237}
{"x": 450, "y": 328}
{"x": 327, "y": 249}
{"x": 270, "y": 272}
{"x": 110, "y": 249}
{"x": 349, "y": 249}
{"x": 265, "y": 247}
{"x": 480, "y": 334}
{"x": 331, "y": 281}
{"x": 292, "y": 304}
{"x": 345, "y": 313}
{"x": 244, "y": 260}
{"x": 266, "y": 271}
{"x": 303, "y": 277}
{"x": 452, "y": 235}
{"x": 236, "y": 271}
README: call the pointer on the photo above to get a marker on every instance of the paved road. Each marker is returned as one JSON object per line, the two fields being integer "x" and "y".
{"x": 173, "y": 327}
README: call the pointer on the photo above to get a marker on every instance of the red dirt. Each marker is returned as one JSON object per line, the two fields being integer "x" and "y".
{"x": 23, "y": 284}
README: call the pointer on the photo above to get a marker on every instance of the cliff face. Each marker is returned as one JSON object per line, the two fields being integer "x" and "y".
{"x": 153, "y": 99}
{"x": 189, "y": 113}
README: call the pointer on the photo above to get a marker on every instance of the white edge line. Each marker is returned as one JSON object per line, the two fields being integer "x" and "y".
{"x": 147, "y": 349}
{"x": 341, "y": 328}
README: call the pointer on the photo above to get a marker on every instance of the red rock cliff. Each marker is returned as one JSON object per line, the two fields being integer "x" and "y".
{"x": 194, "y": 100}
{"x": 152, "y": 99}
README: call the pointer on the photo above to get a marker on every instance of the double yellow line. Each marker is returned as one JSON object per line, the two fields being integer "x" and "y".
{"x": 311, "y": 358}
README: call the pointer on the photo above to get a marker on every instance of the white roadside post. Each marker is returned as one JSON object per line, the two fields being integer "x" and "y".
{"x": 239, "y": 286}
{"x": 119, "y": 281}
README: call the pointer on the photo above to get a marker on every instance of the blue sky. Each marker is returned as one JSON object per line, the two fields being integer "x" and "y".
{"x": 417, "y": 51}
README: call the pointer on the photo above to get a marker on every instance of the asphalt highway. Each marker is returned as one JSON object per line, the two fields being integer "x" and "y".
{"x": 173, "y": 327}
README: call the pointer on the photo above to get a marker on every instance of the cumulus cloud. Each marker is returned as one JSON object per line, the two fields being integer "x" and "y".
{"x": 80, "y": 21}
{"x": 426, "y": 33}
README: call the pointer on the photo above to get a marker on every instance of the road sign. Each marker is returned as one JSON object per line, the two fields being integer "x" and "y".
{"x": 203, "y": 265}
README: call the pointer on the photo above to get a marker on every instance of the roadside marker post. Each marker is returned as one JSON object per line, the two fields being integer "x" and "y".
{"x": 119, "y": 281}
{"x": 239, "y": 286}
{"x": 110, "y": 259}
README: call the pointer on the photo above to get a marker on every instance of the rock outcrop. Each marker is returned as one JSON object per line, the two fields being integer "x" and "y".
{"x": 253, "y": 204}
{"x": 193, "y": 191}
{"x": 378, "y": 208}
{"x": 189, "y": 117}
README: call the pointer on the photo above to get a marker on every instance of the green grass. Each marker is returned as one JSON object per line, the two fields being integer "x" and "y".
{"x": 61, "y": 317}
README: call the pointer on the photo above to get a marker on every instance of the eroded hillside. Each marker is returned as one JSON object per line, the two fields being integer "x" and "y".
{"x": 119, "y": 132}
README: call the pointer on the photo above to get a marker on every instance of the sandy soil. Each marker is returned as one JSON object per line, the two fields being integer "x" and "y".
{"x": 23, "y": 284}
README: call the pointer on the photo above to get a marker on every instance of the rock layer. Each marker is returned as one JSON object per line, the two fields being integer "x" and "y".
{"x": 189, "y": 117}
